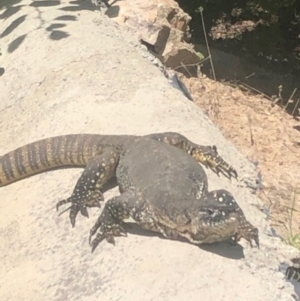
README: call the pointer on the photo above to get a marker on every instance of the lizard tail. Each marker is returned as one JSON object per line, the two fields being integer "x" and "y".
{"x": 45, "y": 155}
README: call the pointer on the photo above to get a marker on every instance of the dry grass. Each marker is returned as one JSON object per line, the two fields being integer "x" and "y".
{"x": 265, "y": 134}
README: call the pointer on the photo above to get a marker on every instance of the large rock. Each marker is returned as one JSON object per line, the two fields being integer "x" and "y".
{"x": 75, "y": 71}
{"x": 164, "y": 25}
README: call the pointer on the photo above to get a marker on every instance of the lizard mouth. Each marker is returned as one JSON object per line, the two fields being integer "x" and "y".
{"x": 219, "y": 225}
{"x": 215, "y": 225}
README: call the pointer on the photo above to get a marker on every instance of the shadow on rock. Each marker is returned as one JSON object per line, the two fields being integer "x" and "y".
{"x": 9, "y": 9}
{"x": 223, "y": 249}
{"x": 16, "y": 43}
{"x": 13, "y": 25}
{"x": 58, "y": 35}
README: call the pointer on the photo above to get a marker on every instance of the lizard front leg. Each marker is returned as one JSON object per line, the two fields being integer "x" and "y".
{"x": 87, "y": 191}
{"x": 207, "y": 155}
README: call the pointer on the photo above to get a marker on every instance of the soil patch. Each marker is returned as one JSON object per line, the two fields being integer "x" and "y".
{"x": 266, "y": 135}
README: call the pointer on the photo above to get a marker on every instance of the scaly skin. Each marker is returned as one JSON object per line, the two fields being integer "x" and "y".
{"x": 85, "y": 150}
{"x": 166, "y": 191}
{"x": 78, "y": 150}
{"x": 100, "y": 155}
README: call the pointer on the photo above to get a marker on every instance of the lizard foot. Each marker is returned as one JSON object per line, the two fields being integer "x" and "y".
{"x": 79, "y": 203}
{"x": 249, "y": 233}
{"x": 108, "y": 227}
{"x": 210, "y": 158}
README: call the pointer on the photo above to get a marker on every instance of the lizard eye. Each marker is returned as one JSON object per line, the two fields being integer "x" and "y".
{"x": 212, "y": 213}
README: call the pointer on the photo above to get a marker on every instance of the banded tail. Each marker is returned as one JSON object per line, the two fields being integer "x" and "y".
{"x": 48, "y": 154}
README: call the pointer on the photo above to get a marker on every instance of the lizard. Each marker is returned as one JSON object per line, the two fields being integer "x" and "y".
{"x": 92, "y": 152}
{"x": 166, "y": 191}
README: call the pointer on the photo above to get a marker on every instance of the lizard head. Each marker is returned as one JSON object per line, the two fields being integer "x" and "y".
{"x": 219, "y": 218}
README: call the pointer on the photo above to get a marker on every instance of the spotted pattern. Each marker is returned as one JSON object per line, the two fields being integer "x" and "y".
{"x": 245, "y": 229}
{"x": 218, "y": 216}
{"x": 77, "y": 150}
{"x": 217, "y": 222}
{"x": 87, "y": 191}
{"x": 109, "y": 223}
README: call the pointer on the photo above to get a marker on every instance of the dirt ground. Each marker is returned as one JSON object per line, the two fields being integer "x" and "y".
{"x": 268, "y": 137}
{"x": 69, "y": 69}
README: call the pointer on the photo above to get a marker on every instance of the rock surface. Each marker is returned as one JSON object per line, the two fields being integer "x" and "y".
{"x": 69, "y": 69}
{"x": 162, "y": 24}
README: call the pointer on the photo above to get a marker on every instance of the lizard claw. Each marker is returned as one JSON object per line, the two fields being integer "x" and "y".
{"x": 95, "y": 243}
{"x": 80, "y": 205}
{"x": 63, "y": 202}
{"x": 210, "y": 158}
{"x": 108, "y": 230}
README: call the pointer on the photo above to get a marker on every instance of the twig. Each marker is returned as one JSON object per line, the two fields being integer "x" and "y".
{"x": 292, "y": 211}
{"x": 250, "y": 129}
{"x": 290, "y": 99}
{"x": 186, "y": 65}
{"x": 253, "y": 89}
{"x": 186, "y": 69}
{"x": 295, "y": 107}
{"x": 280, "y": 88}
{"x": 200, "y": 10}
{"x": 250, "y": 75}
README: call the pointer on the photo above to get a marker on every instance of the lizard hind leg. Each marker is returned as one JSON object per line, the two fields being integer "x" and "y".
{"x": 110, "y": 222}
{"x": 87, "y": 191}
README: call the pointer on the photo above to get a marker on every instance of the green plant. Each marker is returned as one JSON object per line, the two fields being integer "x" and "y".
{"x": 293, "y": 239}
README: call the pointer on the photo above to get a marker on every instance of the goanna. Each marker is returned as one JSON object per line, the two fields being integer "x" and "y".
{"x": 163, "y": 177}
